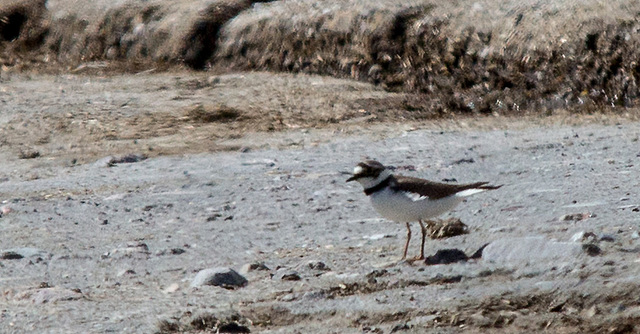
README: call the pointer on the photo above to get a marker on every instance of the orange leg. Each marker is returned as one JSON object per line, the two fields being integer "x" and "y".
{"x": 406, "y": 246}
{"x": 424, "y": 235}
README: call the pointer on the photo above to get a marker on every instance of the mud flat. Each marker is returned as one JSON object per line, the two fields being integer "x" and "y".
{"x": 118, "y": 190}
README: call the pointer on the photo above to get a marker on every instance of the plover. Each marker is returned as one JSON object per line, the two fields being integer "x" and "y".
{"x": 408, "y": 199}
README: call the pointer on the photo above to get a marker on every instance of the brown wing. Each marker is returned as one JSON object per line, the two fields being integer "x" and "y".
{"x": 434, "y": 190}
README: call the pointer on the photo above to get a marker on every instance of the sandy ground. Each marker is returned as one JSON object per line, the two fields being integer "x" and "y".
{"x": 250, "y": 168}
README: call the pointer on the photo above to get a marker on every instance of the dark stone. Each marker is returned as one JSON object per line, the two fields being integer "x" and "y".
{"x": 478, "y": 253}
{"x": 223, "y": 277}
{"x": 446, "y": 256}
{"x": 233, "y": 327}
{"x": 287, "y": 275}
{"x": 177, "y": 251}
{"x": 591, "y": 249}
{"x": 11, "y": 256}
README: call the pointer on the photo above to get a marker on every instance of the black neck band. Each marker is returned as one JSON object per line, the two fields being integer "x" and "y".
{"x": 378, "y": 186}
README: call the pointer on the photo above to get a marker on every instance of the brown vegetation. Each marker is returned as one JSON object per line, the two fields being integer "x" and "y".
{"x": 482, "y": 57}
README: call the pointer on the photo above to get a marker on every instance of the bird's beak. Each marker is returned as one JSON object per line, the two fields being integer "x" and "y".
{"x": 353, "y": 178}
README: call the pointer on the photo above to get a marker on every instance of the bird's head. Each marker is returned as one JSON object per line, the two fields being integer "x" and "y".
{"x": 369, "y": 172}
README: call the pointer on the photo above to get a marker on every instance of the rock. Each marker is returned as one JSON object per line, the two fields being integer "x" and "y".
{"x": 249, "y": 267}
{"x": 529, "y": 250}
{"x": 23, "y": 252}
{"x": 445, "y": 279}
{"x": 171, "y": 251}
{"x": 104, "y": 162}
{"x": 128, "y": 272}
{"x": 28, "y": 154}
{"x": 583, "y": 236}
{"x": 480, "y": 320}
{"x": 374, "y": 330}
{"x": 223, "y": 277}
{"x": 49, "y": 295}
{"x": 220, "y": 322}
{"x": 10, "y": 255}
{"x": 130, "y": 250}
{"x": 377, "y": 273}
{"x": 590, "y": 312}
{"x": 576, "y": 216}
{"x": 607, "y": 237}
{"x": 171, "y": 288}
{"x": 446, "y": 256}
{"x": 233, "y": 327}
{"x": 591, "y": 249}
{"x": 376, "y": 236}
{"x": 314, "y": 295}
{"x": 128, "y": 159}
{"x": 214, "y": 217}
{"x": 177, "y": 251}
{"x": 576, "y": 237}
{"x": 213, "y": 80}
{"x": 5, "y": 210}
{"x": 287, "y": 275}
{"x": 289, "y": 297}
{"x": 400, "y": 328}
{"x": 462, "y": 161}
{"x": 557, "y": 305}
{"x": 111, "y": 161}
{"x": 265, "y": 162}
{"x": 478, "y": 254}
{"x": 318, "y": 265}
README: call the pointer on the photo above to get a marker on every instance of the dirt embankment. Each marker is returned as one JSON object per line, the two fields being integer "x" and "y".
{"x": 23, "y": 29}
{"x": 472, "y": 56}
{"x": 134, "y": 34}
{"x": 481, "y": 56}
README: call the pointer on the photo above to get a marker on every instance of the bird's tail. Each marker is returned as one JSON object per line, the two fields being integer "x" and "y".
{"x": 475, "y": 188}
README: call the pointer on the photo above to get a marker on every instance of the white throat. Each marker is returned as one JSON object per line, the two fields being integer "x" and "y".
{"x": 370, "y": 182}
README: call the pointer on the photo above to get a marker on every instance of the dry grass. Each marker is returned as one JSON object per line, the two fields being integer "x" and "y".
{"x": 480, "y": 57}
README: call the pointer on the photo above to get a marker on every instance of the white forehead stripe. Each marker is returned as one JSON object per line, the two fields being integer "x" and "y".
{"x": 357, "y": 170}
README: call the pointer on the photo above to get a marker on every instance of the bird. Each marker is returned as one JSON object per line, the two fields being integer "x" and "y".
{"x": 405, "y": 199}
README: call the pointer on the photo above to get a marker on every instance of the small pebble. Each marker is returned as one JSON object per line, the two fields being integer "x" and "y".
{"x": 318, "y": 265}
{"x": 287, "y": 275}
{"x": 177, "y": 251}
{"x": 171, "y": 288}
{"x": 255, "y": 266}
{"x": 607, "y": 238}
{"x": 576, "y": 216}
{"x": 126, "y": 272}
{"x": 591, "y": 249}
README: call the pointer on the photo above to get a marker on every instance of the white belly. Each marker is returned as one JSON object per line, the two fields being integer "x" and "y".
{"x": 397, "y": 207}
